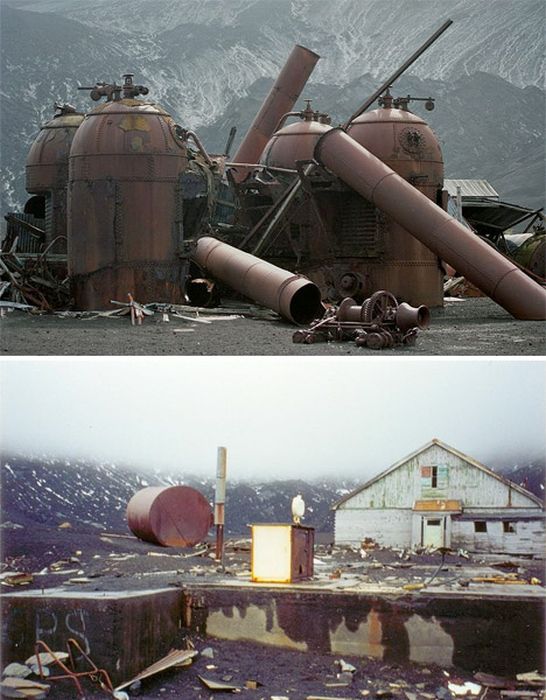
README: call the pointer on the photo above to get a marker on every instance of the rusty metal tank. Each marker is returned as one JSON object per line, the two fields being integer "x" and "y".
{"x": 293, "y": 142}
{"x": 47, "y": 171}
{"x": 124, "y": 204}
{"x": 171, "y": 516}
{"x": 407, "y": 145}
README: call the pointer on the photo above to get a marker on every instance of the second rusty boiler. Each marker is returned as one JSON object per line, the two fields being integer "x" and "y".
{"x": 47, "y": 174}
{"x": 124, "y": 204}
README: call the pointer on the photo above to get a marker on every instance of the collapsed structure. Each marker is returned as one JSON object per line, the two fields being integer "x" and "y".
{"x": 356, "y": 209}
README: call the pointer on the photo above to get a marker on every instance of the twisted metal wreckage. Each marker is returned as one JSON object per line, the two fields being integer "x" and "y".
{"x": 312, "y": 221}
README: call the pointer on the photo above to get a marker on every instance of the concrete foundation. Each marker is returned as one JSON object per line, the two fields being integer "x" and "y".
{"x": 496, "y": 633}
{"x": 122, "y": 632}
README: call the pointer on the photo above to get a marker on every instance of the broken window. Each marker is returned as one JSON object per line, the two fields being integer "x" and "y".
{"x": 508, "y": 527}
{"x": 434, "y": 477}
{"x": 480, "y": 526}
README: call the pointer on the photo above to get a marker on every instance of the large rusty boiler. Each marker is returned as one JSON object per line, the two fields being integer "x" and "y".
{"x": 399, "y": 261}
{"x": 125, "y": 201}
{"x": 171, "y": 516}
{"x": 340, "y": 240}
{"x": 47, "y": 175}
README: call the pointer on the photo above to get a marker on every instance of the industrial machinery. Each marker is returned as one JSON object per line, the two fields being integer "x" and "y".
{"x": 303, "y": 212}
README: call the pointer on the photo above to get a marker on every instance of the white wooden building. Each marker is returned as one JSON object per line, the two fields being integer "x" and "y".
{"x": 439, "y": 496}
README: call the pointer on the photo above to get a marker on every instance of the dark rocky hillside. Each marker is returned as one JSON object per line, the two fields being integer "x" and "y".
{"x": 51, "y": 491}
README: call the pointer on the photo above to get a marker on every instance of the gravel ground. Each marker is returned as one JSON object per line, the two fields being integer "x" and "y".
{"x": 126, "y": 563}
{"x": 473, "y": 326}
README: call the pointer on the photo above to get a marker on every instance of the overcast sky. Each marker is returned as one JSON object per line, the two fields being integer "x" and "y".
{"x": 278, "y": 417}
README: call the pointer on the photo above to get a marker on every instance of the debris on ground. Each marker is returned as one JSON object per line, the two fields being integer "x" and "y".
{"x": 23, "y": 688}
{"x": 176, "y": 657}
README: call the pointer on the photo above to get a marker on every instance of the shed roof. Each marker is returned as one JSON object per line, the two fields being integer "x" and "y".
{"x": 471, "y": 188}
{"x": 453, "y": 451}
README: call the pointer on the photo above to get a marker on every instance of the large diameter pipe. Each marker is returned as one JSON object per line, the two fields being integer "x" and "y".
{"x": 281, "y": 99}
{"x": 292, "y": 296}
{"x": 481, "y": 264}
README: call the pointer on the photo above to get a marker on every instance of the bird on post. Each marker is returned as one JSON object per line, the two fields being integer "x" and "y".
{"x": 298, "y": 509}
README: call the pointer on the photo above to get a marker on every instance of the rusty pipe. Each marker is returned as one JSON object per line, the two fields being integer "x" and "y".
{"x": 490, "y": 271}
{"x": 281, "y": 99}
{"x": 292, "y": 296}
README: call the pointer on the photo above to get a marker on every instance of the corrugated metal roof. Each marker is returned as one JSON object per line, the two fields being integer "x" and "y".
{"x": 471, "y": 188}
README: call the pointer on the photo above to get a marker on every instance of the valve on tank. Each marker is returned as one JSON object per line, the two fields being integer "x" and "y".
{"x": 113, "y": 91}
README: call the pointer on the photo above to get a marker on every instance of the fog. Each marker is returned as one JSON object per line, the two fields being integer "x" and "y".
{"x": 278, "y": 417}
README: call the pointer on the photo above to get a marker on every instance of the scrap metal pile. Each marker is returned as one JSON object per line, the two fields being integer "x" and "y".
{"x": 379, "y": 322}
{"x": 30, "y": 281}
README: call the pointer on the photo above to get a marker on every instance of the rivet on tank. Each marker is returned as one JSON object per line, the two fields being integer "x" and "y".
{"x": 125, "y": 201}
{"x": 47, "y": 176}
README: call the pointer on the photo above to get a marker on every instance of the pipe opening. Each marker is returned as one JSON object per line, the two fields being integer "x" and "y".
{"x": 305, "y": 304}
{"x": 202, "y": 292}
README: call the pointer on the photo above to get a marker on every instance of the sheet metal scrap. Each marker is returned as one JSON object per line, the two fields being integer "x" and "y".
{"x": 176, "y": 657}
{"x": 380, "y": 322}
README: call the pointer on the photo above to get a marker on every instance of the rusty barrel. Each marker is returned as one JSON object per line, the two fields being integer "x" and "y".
{"x": 490, "y": 271}
{"x": 171, "y": 516}
{"x": 294, "y": 297}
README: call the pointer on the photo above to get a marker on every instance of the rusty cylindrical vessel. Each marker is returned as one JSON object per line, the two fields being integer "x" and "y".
{"x": 281, "y": 99}
{"x": 172, "y": 516}
{"x": 407, "y": 145}
{"x": 125, "y": 218}
{"x": 491, "y": 272}
{"x": 47, "y": 170}
{"x": 292, "y": 296}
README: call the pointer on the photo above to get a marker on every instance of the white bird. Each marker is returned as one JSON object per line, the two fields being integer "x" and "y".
{"x": 298, "y": 509}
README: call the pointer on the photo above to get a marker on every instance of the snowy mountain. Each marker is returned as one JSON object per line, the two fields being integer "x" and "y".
{"x": 51, "y": 491}
{"x": 205, "y": 61}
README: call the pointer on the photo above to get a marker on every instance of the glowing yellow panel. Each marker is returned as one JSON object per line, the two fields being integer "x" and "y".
{"x": 271, "y": 553}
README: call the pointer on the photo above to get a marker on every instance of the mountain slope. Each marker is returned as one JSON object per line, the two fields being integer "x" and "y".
{"x": 200, "y": 58}
{"x": 50, "y": 491}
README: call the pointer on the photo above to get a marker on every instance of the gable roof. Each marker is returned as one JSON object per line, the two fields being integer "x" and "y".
{"x": 453, "y": 451}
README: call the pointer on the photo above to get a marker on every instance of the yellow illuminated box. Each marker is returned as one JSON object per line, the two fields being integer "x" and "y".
{"x": 282, "y": 553}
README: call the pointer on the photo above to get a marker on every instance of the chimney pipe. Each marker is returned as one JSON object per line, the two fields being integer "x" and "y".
{"x": 281, "y": 99}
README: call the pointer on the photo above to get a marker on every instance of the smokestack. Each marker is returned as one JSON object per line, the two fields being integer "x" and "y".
{"x": 281, "y": 99}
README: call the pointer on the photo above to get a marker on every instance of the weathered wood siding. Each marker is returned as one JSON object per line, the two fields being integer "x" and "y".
{"x": 390, "y": 527}
{"x": 464, "y": 482}
{"x": 529, "y": 537}
{"x": 383, "y": 510}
